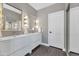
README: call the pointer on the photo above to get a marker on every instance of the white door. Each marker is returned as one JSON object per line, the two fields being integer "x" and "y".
{"x": 56, "y": 29}
{"x": 74, "y": 29}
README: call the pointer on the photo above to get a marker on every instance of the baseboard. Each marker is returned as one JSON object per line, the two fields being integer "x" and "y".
{"x": 49, "y": 45}
{"x": 74, "y": 52}
{"x": 44, "y": 44}
{"x": 63, "y": 49}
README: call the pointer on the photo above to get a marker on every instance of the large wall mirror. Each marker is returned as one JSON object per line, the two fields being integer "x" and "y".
{"x": 12, "y": 20}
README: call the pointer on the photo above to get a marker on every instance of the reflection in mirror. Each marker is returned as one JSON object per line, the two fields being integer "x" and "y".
{"x": 12, "y": 20}
{"x": 12, "y": 23}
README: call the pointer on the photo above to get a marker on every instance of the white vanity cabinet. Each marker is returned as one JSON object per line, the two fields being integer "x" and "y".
{"x": 36, "y": 40}
{"x": 20, "y": 45}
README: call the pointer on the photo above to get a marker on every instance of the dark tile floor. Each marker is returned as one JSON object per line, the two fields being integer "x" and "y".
{"x": 49, "y": 51}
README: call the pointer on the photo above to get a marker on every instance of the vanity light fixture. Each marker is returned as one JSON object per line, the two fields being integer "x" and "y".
{"x": 37, "y": 26}
{"x": 25, "y": 20}
{"x": 26, "y": 24}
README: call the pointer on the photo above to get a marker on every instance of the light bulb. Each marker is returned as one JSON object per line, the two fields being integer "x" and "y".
{"x": 32, "y": 28}
{"x": 26, "y": 25}
{"x": 37, "y": 21}
{"x": 37, "y": 26}
{"x": 25, "y": 17}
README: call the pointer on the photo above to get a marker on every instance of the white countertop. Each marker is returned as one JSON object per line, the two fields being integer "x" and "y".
{"x": 15, "y": 36}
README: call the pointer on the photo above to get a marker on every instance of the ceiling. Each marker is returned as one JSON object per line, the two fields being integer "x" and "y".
{"x": 38, "y": 6}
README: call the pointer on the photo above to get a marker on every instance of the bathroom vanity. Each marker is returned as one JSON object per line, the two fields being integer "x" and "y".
{"x": 17, "y": 37}
{"x": 19, "y": 45}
